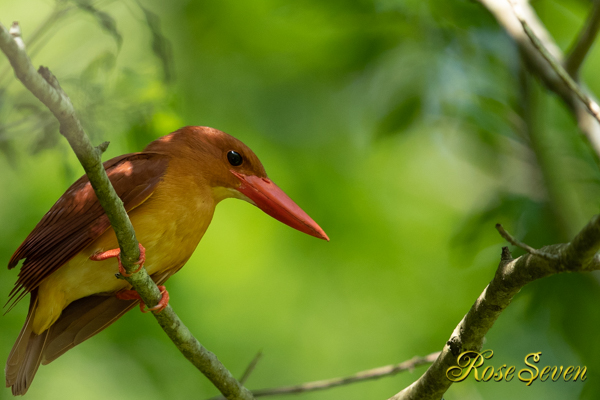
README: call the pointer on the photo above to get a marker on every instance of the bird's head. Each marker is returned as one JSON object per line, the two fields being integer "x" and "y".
{"x": 231, "y": 169}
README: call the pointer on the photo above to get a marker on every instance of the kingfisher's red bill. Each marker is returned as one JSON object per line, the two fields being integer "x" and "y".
{"x": 267, "y": 196}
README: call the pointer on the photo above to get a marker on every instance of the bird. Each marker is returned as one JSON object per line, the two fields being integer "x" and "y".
{"x": 169, "y": 190}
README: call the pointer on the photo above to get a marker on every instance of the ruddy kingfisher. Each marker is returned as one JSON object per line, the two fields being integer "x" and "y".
{"x": 170, "y": 191}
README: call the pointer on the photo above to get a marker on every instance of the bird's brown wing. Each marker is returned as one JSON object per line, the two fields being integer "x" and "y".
{"x": 77, "y": 218}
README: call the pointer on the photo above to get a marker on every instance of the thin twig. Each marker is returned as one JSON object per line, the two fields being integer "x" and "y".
{"x": 250, "y": 367}
{"x": 509, "y": 238}
{"x": 375, "y": 373}
{"x": 46, "y": 88}
{"x": 584, "y": 41}
{"x": 591, "y": 105}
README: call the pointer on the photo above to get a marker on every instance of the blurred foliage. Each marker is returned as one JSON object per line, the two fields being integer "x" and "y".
{"x": 407, "y": 129}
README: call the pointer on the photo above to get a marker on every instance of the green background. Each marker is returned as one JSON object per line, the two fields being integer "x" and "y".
{"x": 399, "y": 126}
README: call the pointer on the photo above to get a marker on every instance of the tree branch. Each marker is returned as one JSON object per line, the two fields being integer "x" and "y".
{"x": 539, "y": 66}
{"x": 511, "y": 276}
{"x": 375, "y": 373}
{"x": 584, "y": 41}
{"x": 47, "y": 89}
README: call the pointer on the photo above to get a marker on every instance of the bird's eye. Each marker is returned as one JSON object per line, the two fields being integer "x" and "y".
{"x": 234, "y": 158}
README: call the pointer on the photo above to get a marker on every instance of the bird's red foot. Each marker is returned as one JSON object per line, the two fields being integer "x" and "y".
{"x": 133, "y": 295}
{"x": 117, "y": 253}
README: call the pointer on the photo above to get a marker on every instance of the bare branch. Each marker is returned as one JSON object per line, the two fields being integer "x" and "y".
{"x": 375, "y": 373}
{"x": 584, "y": 41}
{"x": 47, "y": 89}
{"x": 511, "y": 276}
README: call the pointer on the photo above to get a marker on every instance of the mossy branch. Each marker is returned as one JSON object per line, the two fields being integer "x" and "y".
{"x": 44, "y": 85}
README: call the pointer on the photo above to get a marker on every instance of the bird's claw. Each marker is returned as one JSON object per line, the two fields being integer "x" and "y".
{"x": 117, "y": 253}
{"x": 133, "y": 295}
{"x": 162, "y": 303}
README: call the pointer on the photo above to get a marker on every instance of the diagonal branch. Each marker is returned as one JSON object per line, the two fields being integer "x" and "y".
{"x": 584, "y": 41}
{"x": 47, "y": 89}
{"x": 511, "y": 276}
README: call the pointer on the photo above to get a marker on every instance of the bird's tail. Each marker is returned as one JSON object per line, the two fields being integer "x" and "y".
{"x": 26, "y": 355}
{"x": 81, "y": 320}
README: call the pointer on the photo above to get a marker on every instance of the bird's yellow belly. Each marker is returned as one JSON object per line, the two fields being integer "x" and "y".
{"x": 170, "y": 236}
